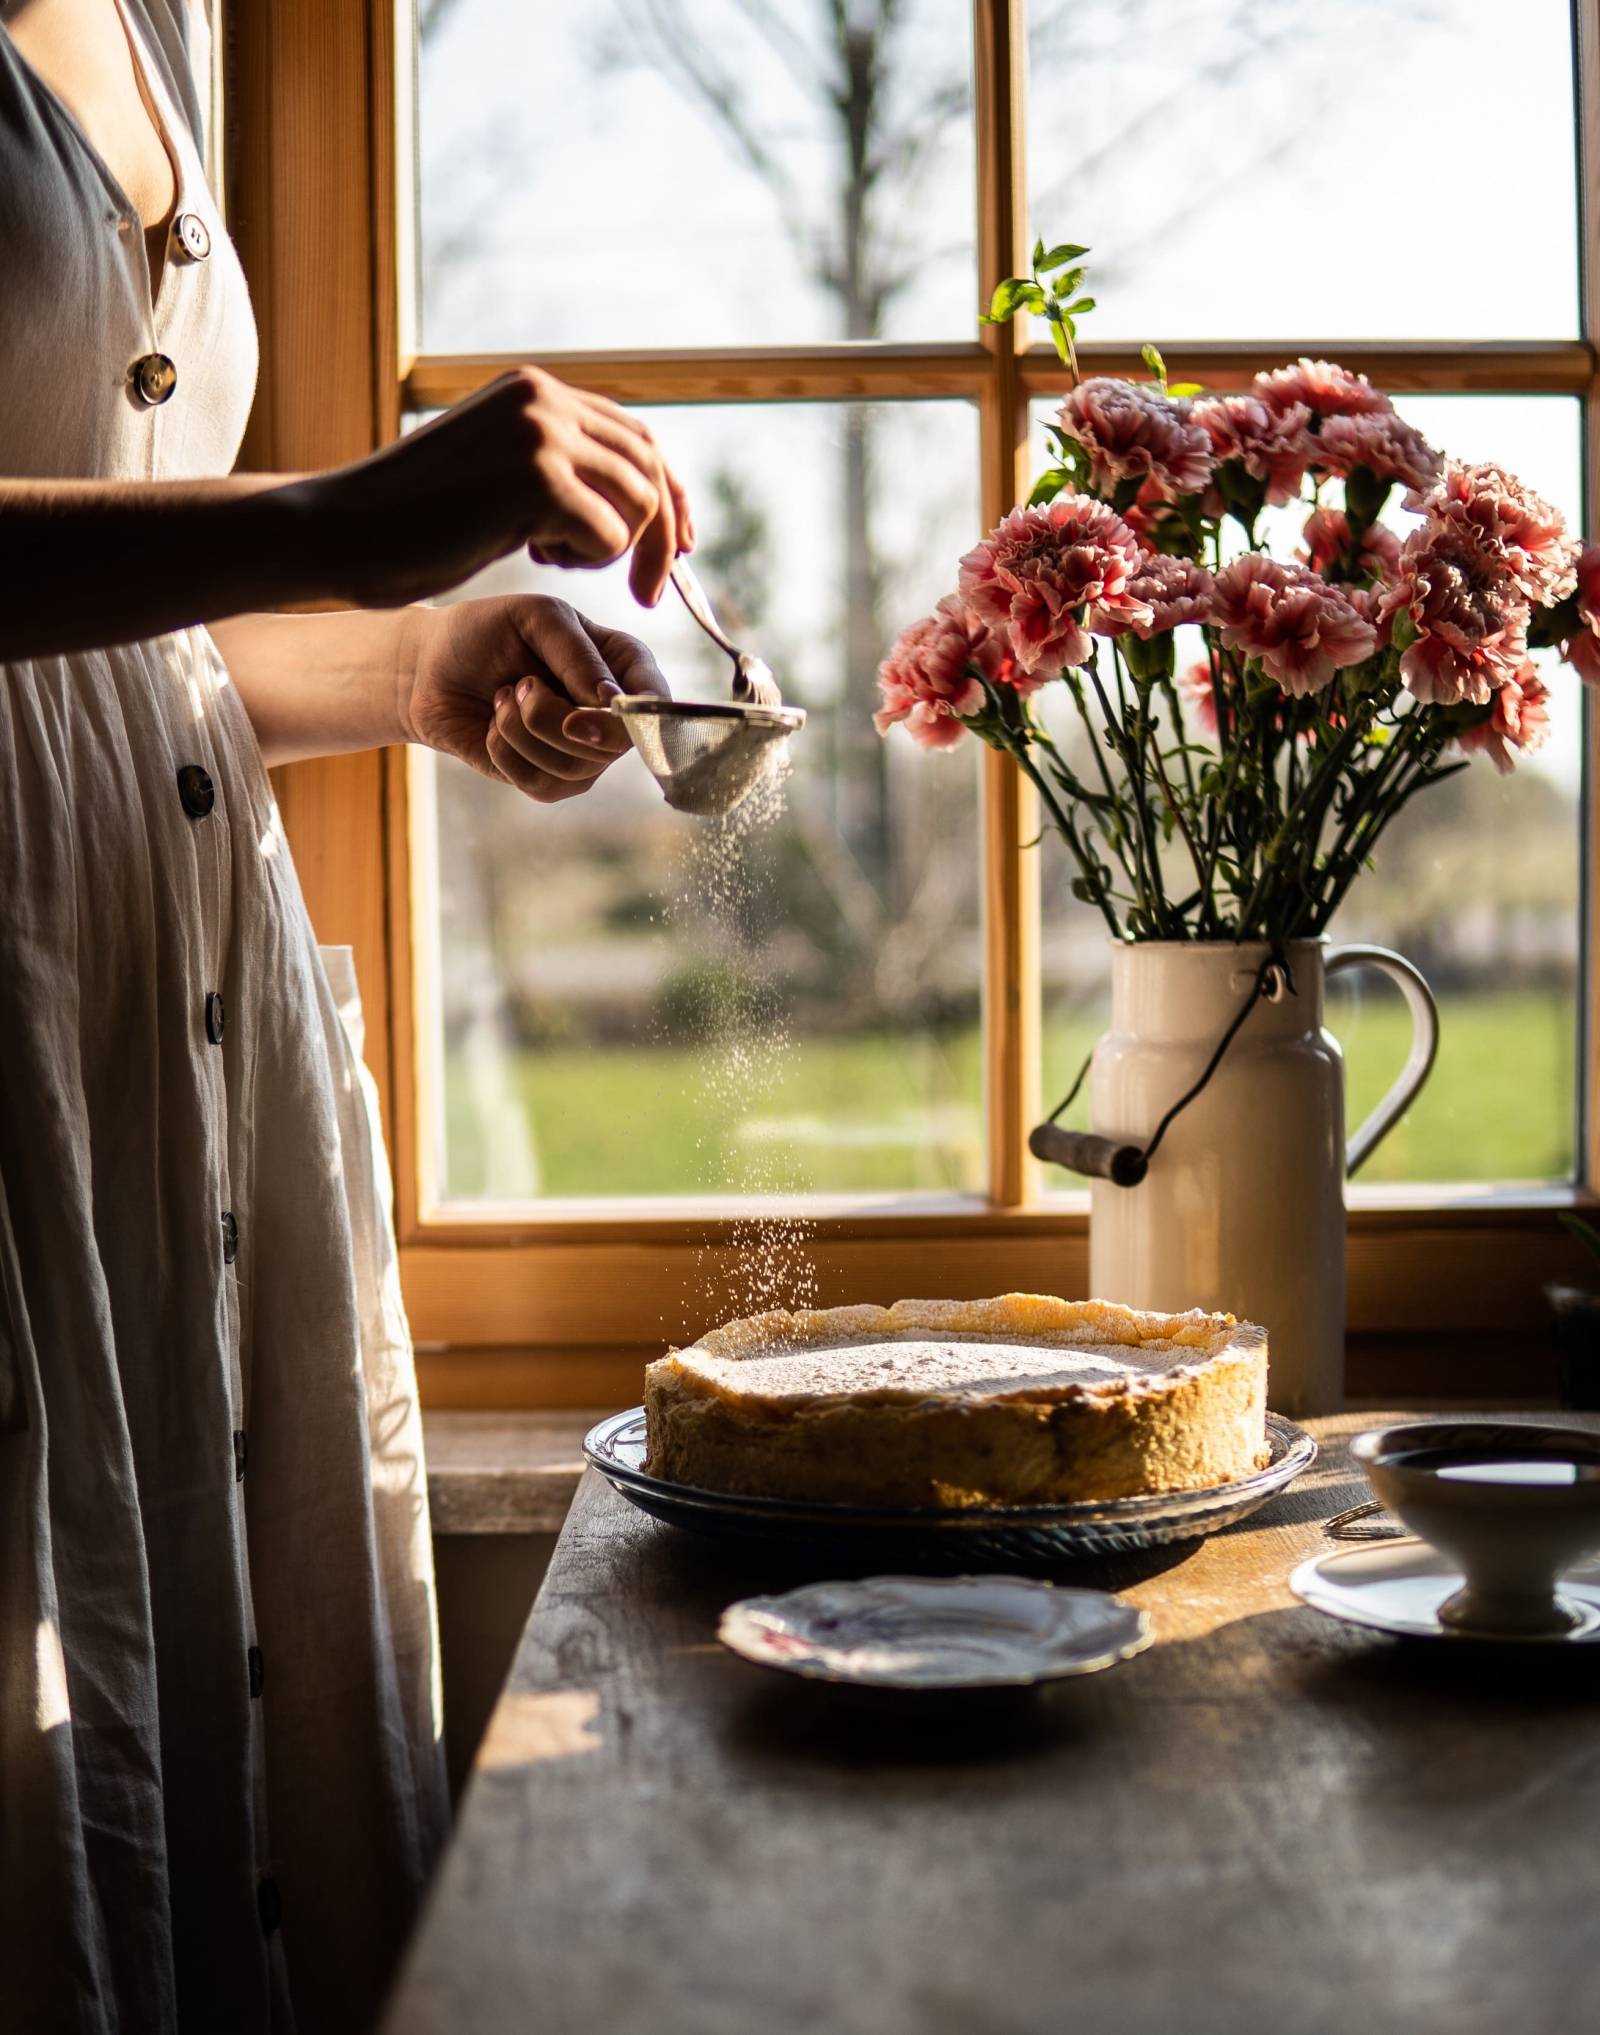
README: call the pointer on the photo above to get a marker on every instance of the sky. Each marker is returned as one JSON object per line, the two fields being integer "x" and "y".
{"x": 1347, "y": 168}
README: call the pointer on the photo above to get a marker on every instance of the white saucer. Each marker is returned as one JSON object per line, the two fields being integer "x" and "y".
{"x": 1398, "y": 1585}
{"x": 936, "y": 1632}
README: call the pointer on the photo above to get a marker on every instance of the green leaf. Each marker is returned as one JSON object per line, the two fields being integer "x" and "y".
{"x": 1015, "y": 294}
{"x": 1083, "y": 304}
{"x": 1038, "y": 256}
{"x": 1048, "y": 486}
{"x": 1058, "y": 257}
{"x": 1151, "y": 356}
{"x": 1179, "y": 391}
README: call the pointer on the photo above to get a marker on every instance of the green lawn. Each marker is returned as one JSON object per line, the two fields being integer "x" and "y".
{"x": 875, "y": 1112}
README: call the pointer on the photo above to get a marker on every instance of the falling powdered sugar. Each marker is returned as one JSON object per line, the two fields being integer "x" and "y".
{"x": 724, "y": 882}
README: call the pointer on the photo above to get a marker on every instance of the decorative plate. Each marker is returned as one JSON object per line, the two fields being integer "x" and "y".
{"x": 1397, "y": 1586}
{"x": 925, "y": 1632}
{"x": 961, "y": 1538}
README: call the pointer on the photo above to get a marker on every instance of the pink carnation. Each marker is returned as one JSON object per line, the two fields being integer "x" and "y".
{"x": 1327, "y": 541}
{"x": 1582, "y": 648}
{"x": 1146, "y": 511}
{"x": 1175, "y": 590}
{"x": 1046, "y": 576}
{"x": 1132, "y": 431}
{"x": 1518, "y": 720}
{"x": 1301, "y": 628}
{"x": 1196, "y": 692}
{"x": 1321, "y": 388}
{"x": 1509, "y": 526}
{"x": 929, "y": 679}
{"x": 1470, "y": 618}
{"x": 1272, "y": 445}
{"x": 1381, "y": 442}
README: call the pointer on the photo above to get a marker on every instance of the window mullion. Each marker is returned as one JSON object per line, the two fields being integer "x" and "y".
{"x": 1587, "y": 39}
{"x": 1010, "y": 814}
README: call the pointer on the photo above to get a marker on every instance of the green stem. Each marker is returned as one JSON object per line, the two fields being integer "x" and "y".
{"x": 1175, "y": 806}
{"x": 1154, "y": 897}
{"x": 1214, "y": 849}
{"x": 1170, "y": 694}
{"x": 1097, "y": 745}
{"x": 1306, "y": 814}
{"x": 1019, "y": 748}
{"x": 1381, "y": 821}
{"x": 1412, "y": 764}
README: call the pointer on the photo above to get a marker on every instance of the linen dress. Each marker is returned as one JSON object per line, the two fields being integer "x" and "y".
{"x": 221, "y": 1781}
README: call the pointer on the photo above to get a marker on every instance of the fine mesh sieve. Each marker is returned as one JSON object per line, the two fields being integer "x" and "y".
{"x": 706, "y": 757}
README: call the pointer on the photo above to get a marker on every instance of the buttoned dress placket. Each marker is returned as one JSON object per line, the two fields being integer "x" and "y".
{"x": 154, "y": 381}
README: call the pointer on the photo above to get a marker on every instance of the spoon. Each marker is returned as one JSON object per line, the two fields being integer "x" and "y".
{"x": 753, "y": 682}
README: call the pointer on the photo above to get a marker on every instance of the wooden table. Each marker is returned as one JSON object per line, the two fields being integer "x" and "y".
{"x": 1269, "y": 1822}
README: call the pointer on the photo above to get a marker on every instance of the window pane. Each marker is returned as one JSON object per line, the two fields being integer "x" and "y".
{"x": 1337, "y": 168}
{"x": 616, "y": 1015}
{"x": 694, "y": 173}
{"x": 1477, "y": 882}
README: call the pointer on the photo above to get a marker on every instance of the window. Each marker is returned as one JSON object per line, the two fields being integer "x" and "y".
{"x": 775, "y": 243}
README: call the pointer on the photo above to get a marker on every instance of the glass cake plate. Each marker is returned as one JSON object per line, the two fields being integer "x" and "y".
{"x": 945, "y": 1537}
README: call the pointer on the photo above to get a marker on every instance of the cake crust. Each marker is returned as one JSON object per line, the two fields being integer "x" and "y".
{"x": 1019, "y": 1400}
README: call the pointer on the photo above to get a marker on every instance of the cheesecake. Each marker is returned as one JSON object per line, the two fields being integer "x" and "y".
{"x": 1019, "y": 1400}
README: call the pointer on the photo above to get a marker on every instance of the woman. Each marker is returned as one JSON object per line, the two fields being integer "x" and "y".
{"x": 220, "y": 1776}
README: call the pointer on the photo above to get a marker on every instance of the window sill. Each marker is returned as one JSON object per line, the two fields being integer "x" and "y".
{"x": 511, "y": 1472}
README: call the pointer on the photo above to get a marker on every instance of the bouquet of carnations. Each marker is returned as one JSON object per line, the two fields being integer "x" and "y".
{"x": 1254, "y": 722}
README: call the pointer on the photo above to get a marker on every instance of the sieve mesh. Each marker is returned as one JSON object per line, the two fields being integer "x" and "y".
{"x": 707, "y": 758}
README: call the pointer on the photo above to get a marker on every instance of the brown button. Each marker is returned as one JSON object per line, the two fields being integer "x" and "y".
{"x": 190, "y": 236}
{"x": 154, "y": 378}
{"x": 196, "y": 791}
{"x": 214, "y": 1017}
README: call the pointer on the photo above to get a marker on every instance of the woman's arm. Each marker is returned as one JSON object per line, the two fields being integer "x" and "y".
{"x": 517, "y": 686}
{"x": 86, "y": 564}
{"x": 320, "y": 685}
{"x": 526, "y": 462}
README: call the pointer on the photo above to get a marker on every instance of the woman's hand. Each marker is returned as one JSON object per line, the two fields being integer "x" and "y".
{"x": 518, "y": 688}
{"x": 525, "y": 463}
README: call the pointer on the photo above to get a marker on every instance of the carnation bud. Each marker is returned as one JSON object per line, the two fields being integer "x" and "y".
{"x": 1364, "y": 497}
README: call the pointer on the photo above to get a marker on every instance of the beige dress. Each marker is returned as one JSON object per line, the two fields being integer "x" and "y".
{"x": 221, "y": 1784}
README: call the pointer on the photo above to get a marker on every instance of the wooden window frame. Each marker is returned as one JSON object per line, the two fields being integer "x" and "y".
{"x": 560, "y": 1307}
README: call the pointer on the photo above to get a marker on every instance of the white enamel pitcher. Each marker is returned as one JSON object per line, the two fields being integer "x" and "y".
{"x": 1241, "y": 1207}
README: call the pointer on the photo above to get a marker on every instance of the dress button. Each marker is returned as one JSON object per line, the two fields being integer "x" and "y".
{"x": 214, "y": 1016}
{"x": 154, "y": 377}
{"x": 258, "y": 1670}
{"x": 269, "y": 1905}
{"x": 230, "y": 1236}
{"x": 196, "y": 791}
{"x": 189, "y": 232}
{"x": 241, "y": 1454}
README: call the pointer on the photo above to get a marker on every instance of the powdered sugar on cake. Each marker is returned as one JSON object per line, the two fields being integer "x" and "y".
{"x": 908, "y": 1365}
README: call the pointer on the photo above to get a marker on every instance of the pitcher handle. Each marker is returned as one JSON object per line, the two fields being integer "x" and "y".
{"x": 1424, "y": 1043}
